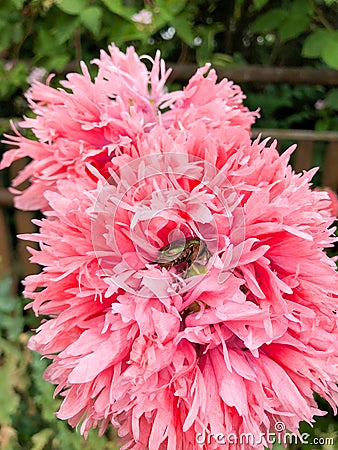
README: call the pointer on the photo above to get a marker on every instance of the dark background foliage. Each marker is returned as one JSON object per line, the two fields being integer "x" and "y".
{"x": 54, "y": 34}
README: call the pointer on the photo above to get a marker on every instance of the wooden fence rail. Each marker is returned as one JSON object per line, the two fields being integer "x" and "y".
{"x": 264, "y": 75}
{"x": 13, "y": 253}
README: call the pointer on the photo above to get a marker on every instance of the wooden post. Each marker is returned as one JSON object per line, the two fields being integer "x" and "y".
{"x": 303, "y": 156}
{"x": 330, "y": 172}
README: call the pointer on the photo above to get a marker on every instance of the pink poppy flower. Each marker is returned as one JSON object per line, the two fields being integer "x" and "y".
{"x": 188, "y": 294}
{"x": 87, "y": 122}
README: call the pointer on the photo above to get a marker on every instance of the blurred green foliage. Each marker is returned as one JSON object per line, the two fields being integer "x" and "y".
{"x": 27, "y": 413}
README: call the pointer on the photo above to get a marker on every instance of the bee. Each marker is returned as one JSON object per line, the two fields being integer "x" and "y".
{"x": 182, "y": 252}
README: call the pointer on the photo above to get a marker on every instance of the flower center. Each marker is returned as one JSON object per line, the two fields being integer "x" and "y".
{"x": 191, "y": 253}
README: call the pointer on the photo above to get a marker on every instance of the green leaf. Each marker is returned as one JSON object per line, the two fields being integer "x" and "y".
{"x": 158, "y": 22}
{"x": 65, "y": 27}
{"x": 294, "y": 26}
{"x": 73, "y": 7}
{"x": 91, "y": 19}
{"x": 278, "y": 446}
{"x": 11, "y": 325}
{"x": 41, "y": 439}
{"x": 5, "y": 35}
{"x": 17, "y": 3}
{"x": 204, "y": 52}
{"x": 45, "y": 43}
{"x": 315, "y": 43}
{"x": 297, "y": 21}
{"x": 57, "y": 62}
{"x": 118, "y": 8}
{"x": 331, "y": 57}
{"x": 330, "y": 50}
{"x": 322, "y": 43}
{"x": 11, "y": 31}
{"x": 259, "y": 4}
{"x": 321, "y": 125}
{"x": 331, "y": 99}
{"x": 170, "y": 8}
{"x": 184, "y": 30}
{"x": 301, "y": 7}
{"x": 9, "y": 399}
{"x": 269, "y": 21}
{"x": 123, "y": 31}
